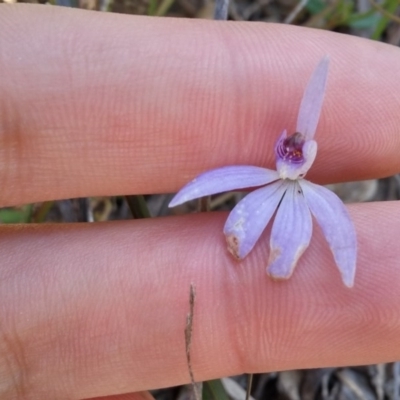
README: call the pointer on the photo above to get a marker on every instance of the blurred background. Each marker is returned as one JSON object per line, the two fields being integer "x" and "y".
{"x": 377, "y": 20}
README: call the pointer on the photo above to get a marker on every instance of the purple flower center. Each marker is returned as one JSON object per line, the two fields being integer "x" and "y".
{"x": 291, "y": 149}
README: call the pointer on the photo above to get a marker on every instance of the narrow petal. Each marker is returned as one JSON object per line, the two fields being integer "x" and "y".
{"x": 248, "y": 219}
{"x": 291, "y": 233}
{"x": 336, "y": 225}
{"x": 310, "y": 107}
{"x": 222, "y": 180}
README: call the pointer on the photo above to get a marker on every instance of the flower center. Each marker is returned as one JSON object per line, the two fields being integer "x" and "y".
{"x": 291, "y": 149}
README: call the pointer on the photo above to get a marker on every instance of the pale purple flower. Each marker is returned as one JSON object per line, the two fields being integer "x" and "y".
{"x": 285, "y": 192}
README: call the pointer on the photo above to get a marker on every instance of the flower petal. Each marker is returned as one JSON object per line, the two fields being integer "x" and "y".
{"x": 291, "y": 233}
{"x": 336, "y": 225}
{"x": 222, "y": 180}
{"x": 248, "y": 219}
{"x": 311, "y": 103}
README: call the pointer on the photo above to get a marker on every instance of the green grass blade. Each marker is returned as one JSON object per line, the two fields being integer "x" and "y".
{"x": 214, "y": 390}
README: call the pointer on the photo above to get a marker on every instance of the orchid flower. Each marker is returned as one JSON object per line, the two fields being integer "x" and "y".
{"x": 285, "y": 192}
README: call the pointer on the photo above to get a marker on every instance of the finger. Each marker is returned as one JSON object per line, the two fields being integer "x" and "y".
{"x": 128, "y": 396}
{"x": 94, "y": 310}
{"x": 103, "y": 104}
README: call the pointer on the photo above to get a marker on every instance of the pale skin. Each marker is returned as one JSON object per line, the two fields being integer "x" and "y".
{"x": 101, "y": 104}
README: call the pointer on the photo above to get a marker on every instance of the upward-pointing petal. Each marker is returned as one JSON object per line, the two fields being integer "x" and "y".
{"x": 336, "y": 225}
{"x": 311, "y": 103}
{"x": 222, "y": 180}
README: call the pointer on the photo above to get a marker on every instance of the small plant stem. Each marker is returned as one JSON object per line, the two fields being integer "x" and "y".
{"x": 41, "y": 213}
{"x": 386, "y": 13}
{"x": 137, "y": 205}
{"x": 296, "y": 11}
{"x": 204, "y": 204}
{"x": 197, "y": 388}
{"x": 164, "y": 7}
{"x": 249, "y": 385}
{"x": 221, "y": 10}
{"x": 152, "y": 7}
{"x": 396, "y": 379}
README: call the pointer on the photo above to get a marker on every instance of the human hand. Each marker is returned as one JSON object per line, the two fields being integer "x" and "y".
{"x": 103, "y": 104}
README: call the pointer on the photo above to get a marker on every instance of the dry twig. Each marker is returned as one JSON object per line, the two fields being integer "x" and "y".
{"x": 197, "y": 387}
{"x": 296, "y": 11}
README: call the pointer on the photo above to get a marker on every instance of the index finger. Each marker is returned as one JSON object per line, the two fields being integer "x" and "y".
{"x": 102, "y": 104}
{"x": 98, "y": 309}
